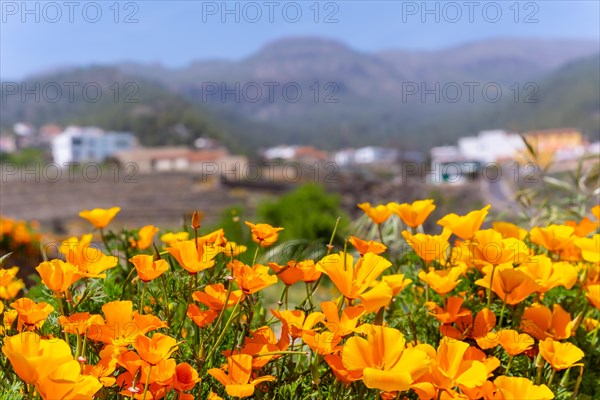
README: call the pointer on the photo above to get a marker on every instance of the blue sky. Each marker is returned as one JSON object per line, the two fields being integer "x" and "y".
{"x": 175, "y": 33}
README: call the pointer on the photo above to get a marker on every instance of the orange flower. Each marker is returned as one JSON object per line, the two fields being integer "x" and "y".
{"x": 442, "y": 281}
{"x": 508, "y": 230}
{"x": 322, "y": 343}
{"x": 346, "y": 323}
{"x": 90, "y": 261}
{"x": 309, "y": 270}
{"x": 450, "y": 368}
{"x": 590, "y": 248}
{"x": 593, "y": 295}
{"x": 156, "y": 349}
{"x": 364, "y": 247}
{"x": 560, "y": 355}
{"x": 67, "y": 382}
{"x": 251, "y": 279}
{"x": 488, "y": 247}
{"x": 215, "y": 296}
{"x": 57, "y": 275}
{"x": 289, "y": 274}
{"x": 103, "y": 370}
{"x": 296, "y": 322}
{"x": 453, "y": 310}
{"x": 596, "y": 211}
{"x": 429, "y": 247}
{"x": 9, "y": 284}
{"x": 382, "y": 361}
{"x": 548, "y": 274}
{"x": 515, "y": 388}
{"x": 262, "y": 341}
{"x": 339, "y": 370}
{"x": 353, "y": 280}
{"x": 237, "y": 379}
{"x": 191, "y": 258}
{"x": 465, "y": 226}
{"x": 583, "y": 227}
{"x": 79, "y": 323}
{"x": 541, "y": 323}
{"x": 186, "y": 377}
{"x": 147, "y": 268}
{"x": 553, "y": 237}
{"x": 264, "y": 234}
{"x": 510, "y": 284}
{"x": 513, "y": 342}
{"x": 123, "y": 325}
{"x": 200, "y": 317}
{"x": 413, "y": 214}
{"x": 30, "y": 312}
{"x": 378, "y": 214}
{"x": 100, "y": 217}
{"x": 145, "y": 234}
{"x": 215, "y": 238}
{"x": 396, "y": 282}
{"x": 32, "y": 357}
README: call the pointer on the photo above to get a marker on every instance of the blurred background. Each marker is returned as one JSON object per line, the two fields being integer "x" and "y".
{"x": 293, "y": 112}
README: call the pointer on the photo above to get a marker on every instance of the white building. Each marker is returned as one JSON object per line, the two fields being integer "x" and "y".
{"x": 490, "y": 146}
{"x": 91, "y": 144}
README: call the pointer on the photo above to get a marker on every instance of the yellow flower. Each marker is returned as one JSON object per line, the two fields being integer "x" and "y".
{"x": 30, "y": 312}
{"x": 100, "y": 217}
{"x": 90, "y": 261}
{"x": 378, "y": 214}
{"x": 171, "y": 237}
{"x": 232, "y": 249}
{"x": 465, "y": 226}
{"x": 593, "y": 295}
{"x": 156, "y": 349}
{"x": 413, "y": 214}
{"x": 57, "y": 275}
{"x": 10, "y": 285}
{"x": 560, "y": 355}
{"x": 513, "y": 342}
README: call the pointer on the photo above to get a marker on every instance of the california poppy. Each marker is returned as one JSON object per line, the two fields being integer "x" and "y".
{"x": 513, "y": 342}
{"x": 382, "y": 361}
{"x": 66, "y": 382}
{"x": 148, "y": 268}
{"x": 341, "y": 325}
{"x": 289, "y": 273}
{"x": 145, "y": 236}
{"x": 194, "y": 258}
{"x": 508, "y": 230}
{"x": 378, "y": 214}
{"x": 215, "y": 296}
{"x": 57, "y": 275}
{"x": 593, "y": 294}
{"x": 32, "y": 357}
{"x": 90, "y": 261}
{"x": 364, "y": 247}
{"x": 465, "y": 226}
{"x": 100, "y": 217}
{"x": 413, "y": 214}
{"x": 590, "y": 248}
{"x": 237, "y": 380}
{"x": 30, "y": 312}
{"x": 10, "y": 285}
{"x": 514, "y": 388}
{"x": 541, "y": 323}
{"x": 429, "y": 247}
{"x": 170, "y": 237}
{"x": 553, "y": 237}
{"x": 510, "y": 284}
{"x": 200, "y": 317}
{"x": 155, "y": 349}
{"x": 560, "y": 355}
{"x": 295, "y": 322}
{"x": 264, "y": 234}
{"x": 79, "y": 323}
{"x": 232, "y": 249}
{"x": 251, "y": 279}
{"x": 185, "y": 377}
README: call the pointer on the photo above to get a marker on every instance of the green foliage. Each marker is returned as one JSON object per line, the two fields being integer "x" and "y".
{"x": 308, "y": 212}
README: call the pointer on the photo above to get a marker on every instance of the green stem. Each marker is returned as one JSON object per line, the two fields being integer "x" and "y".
{"x": 578, "y": 383}
{"x": 510, "y": 358}
{"x": 489, "y": 290}
{"x": 147, "y": 382}
{"x": 255, "y": 256}
{"x": 141, "y": 308}
{"x": 227, "y": 324}
{"x": 551, "y": 377}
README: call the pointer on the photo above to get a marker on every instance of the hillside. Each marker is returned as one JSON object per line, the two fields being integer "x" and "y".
{"x": 349, "y": 98}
